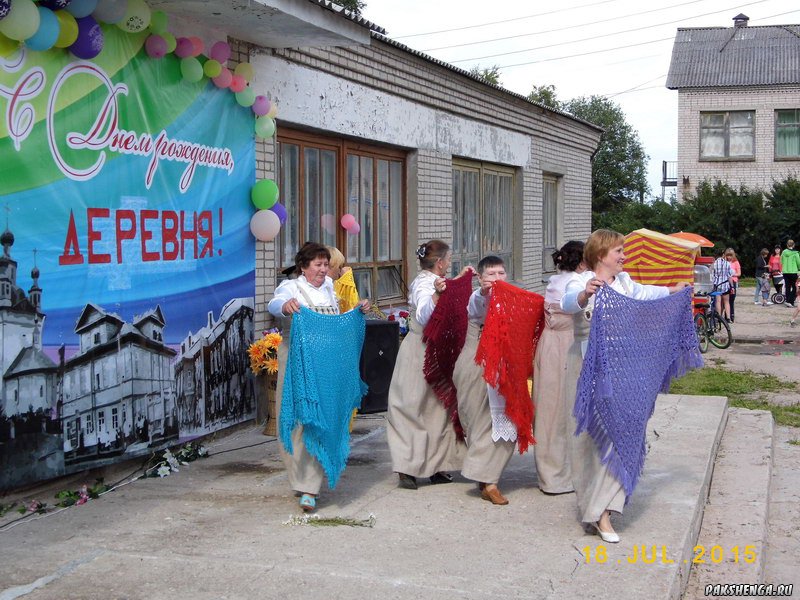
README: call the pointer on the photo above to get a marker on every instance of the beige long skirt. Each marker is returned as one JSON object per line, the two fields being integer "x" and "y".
{"x": 304, "y": 471}
{"x": 596, "y": 488}
{"x": 421, "y": 437}
{"x": 552, "y": 428}
{"x": 485, "y": 459}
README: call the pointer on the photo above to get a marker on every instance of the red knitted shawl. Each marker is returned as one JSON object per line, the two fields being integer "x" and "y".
{"x": 444, "y": 336}
{"x": 514, "y": 322}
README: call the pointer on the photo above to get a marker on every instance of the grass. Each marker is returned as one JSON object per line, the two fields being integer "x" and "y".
{"x": 794, "y": 442}
{"x": 739, "y": 386}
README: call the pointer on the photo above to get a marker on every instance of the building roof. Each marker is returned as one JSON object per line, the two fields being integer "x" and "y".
{"x": 735, "y": 56}
{"x": 29, "y": 359}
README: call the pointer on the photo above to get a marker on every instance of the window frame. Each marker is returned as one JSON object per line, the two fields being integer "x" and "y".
{"x": 343, "y": 148}
{"x": 727, "y": 133}
{"x": 796, "y": 124}
{"x": 460, "y": 257}
{"x": 548, "y": 266}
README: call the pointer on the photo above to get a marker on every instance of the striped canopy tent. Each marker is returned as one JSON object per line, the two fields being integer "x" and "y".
{"x": 658, "y": 259}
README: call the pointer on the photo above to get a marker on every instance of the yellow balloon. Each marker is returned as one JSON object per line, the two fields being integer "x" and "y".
{"x": 68, "y": 29}
{"x": 7, "y": 46}
{"x": 244, "y": 70}
{"x": 273, "y": 110}
{"x": 137, "y": 17}
{"x": 22, "y": 21}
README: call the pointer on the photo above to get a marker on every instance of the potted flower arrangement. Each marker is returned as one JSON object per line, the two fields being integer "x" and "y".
{"x": 264, "y": 364}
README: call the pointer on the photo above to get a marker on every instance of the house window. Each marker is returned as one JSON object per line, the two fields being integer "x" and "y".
{"x": 787, "y": 133}
{"x": 97, "y": 338}
{"x": 483, "y": 201}
{"x": 101, "y": 420}
{"x": 89, "y": 423}
{"x": 550, "y": 219}
{"x": 321, "y": 179}
{"x": 727, "y": 135}
{"x": 114, "y": 419}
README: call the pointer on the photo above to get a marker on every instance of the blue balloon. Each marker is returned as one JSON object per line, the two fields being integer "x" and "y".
{"x": 81, "y": 8}
{"x": 47, "y": 34}
{"x": 279, "y": 210}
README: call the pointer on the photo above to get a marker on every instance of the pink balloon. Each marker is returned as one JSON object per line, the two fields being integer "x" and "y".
{"x": 354, "y": 229}
{"x": 156, "y": 46}
{"x": 238, "y": 83}
{"x": 220, "y": 51}
{"x": 183, "y": 47}
{"x": 328, "y": 222}
{"x": 197, "y": 45}
{"x": 261, "y": 105}
{"x": 223, "y": 80}
{"x": 347, "y": 220}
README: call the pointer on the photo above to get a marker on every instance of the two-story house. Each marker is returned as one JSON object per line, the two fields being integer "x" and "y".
{"x": 738, "y": 104}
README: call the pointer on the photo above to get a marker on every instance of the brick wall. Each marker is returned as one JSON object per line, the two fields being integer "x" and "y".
{"x": 758, "y": 173}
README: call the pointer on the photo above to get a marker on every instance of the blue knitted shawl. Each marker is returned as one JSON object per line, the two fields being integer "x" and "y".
{"x": 323, "y": 385}
{"x": 636, "y": 348}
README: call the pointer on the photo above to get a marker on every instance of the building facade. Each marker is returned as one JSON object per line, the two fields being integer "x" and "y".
{"x": 738, "y": 104}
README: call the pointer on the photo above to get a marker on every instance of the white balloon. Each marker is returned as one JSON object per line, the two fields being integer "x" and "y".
{"x": 110, "y": 11}
{"x": 265, "y": 225}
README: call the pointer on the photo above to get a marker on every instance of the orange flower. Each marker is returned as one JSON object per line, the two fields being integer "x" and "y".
{"x": 271, "y": 365}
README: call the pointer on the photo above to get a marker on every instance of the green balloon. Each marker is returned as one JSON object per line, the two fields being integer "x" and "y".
{"x": 191, "y": 69}
{"x": 171, "y": 41}
{"x": 264, "y": 194}
{"x": 265, "y": 127}
{"x": 212, "y": 68}
{"x": 246, "y": 97}
{"x": 158, "y": 22}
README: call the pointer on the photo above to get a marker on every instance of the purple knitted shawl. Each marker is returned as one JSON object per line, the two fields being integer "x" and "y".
{"x": 636, "y": 348}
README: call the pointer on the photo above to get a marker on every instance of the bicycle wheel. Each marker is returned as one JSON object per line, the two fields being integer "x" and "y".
{"x": 701, "y": 326}
{"x": 719, "y": 332}
{"x": 778, "y": 298}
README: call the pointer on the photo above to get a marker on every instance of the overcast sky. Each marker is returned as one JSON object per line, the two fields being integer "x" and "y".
{"x": 617, "y": 48}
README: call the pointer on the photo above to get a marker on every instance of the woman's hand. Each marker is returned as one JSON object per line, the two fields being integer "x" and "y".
{"x": 440, "y": 285}
{"x": 678, "y": 287}
{"x": 465, "y": 270}
{"x": 364, "y": 306}
{"x": 290, "y": 307}
{"x": 592, "y": 286}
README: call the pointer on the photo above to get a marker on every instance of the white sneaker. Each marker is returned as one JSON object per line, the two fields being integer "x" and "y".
{"x": 769, "y": 303}
{"x": 756, "y": 302}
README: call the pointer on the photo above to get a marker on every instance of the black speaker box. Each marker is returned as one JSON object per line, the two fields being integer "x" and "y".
{"x": 381, "y": 343}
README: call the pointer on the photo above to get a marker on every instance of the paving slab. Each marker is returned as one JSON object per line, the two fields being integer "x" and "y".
{"x": 217, "y": 529}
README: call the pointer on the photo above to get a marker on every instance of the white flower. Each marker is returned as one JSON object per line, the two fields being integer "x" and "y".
{"x": 163, "y": 471}
{"x": 170, "y": 458}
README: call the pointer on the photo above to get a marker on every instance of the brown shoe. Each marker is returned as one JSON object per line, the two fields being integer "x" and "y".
{"x": 494, "y": 496}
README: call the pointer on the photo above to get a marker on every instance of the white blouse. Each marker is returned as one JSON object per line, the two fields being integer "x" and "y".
{"x": 477, "y": 307}
{"x": 420, "y": 296}
{"x": 622, "y": 283}
{"x": 557, "y": 286}
{"x": 290, "y": 288}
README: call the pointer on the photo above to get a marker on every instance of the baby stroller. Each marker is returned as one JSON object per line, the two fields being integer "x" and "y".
{"x": 777, "y": 281}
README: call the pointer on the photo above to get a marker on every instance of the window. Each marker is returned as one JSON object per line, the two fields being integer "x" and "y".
{"x": 550, "y": 219}
{"x": 483, "y": 200}
{"x": 321, "y": 179}
{"x": 97, "y": 337}
{"x": 115, "y": 419}
{"x": 89, "y": 423}
{"x": 727, "y": 135}
{"x": 101, "y": 420}
{"x": 787, "y": 133}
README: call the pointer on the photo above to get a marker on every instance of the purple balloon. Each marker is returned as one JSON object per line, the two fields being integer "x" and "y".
{"x": 155, "y": 46}
{"x": 183, "y": 47}
{"x": 5, "y": 8}
{"x": 90, "y": 39}
{"x": 55, "y": 4}
{"x": 261, "y": 105}
{"x": 279, "y": 210}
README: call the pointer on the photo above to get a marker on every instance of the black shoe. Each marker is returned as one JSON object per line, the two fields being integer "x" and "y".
{"x": 441, "y": 478}
{"x": 407, "y": 482}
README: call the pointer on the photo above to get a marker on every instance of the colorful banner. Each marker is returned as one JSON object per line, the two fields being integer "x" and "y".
{"x": 127, "y": 273}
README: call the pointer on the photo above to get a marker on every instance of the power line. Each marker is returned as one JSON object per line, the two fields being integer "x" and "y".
{"x": 605, "y": 35}
{"x": 551, "y": 12}
{"x": 567, "y": 27}
{"x": 637, "y": 88}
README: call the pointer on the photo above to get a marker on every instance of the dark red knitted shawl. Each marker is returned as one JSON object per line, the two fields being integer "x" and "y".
{"x": 514, "y": 322}
{"x": 444, "y": 336}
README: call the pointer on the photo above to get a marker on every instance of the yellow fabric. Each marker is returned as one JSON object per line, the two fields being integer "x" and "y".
{"x": 345, "y": 288}
{"x": 654, "y": 258}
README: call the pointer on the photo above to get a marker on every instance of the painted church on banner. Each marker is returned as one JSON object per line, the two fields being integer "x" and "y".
{"x": 161, "y": 162}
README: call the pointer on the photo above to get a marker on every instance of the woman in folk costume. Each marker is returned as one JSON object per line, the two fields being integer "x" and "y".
{"x": 311, "y": 289}
{"x": 601, "y": 485}
{"x": 422, "y": 439}
{"x": 486, "y": 456}
{"x": 552, "y": 426}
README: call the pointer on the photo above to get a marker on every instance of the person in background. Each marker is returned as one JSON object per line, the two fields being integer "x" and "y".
{"x": 790, "y": 264}
{"x": 722, "y": 276}
{"x": 763, "y": 286}
{"x": 775, "y": 270}
{"x": 762, "y": 267}
{"x": 552, "y": 422}
{"x": 488, "y": 449}
{"x": 730, "y": 256}
{"x": 343, "y": 283}
{"x": 422, "y": 441}
{"x": 793, "y": 320}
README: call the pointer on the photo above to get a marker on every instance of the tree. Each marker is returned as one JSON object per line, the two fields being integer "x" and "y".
{"x": 782, "y": 216}
{"x": 354, "y": 6}
{"x": 490, "y": 75}
{"x": 619, "y": 167}
{"x": 545, "y": 94}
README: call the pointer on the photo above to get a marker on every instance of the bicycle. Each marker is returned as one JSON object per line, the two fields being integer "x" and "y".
{"x": 709, "y": 324}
